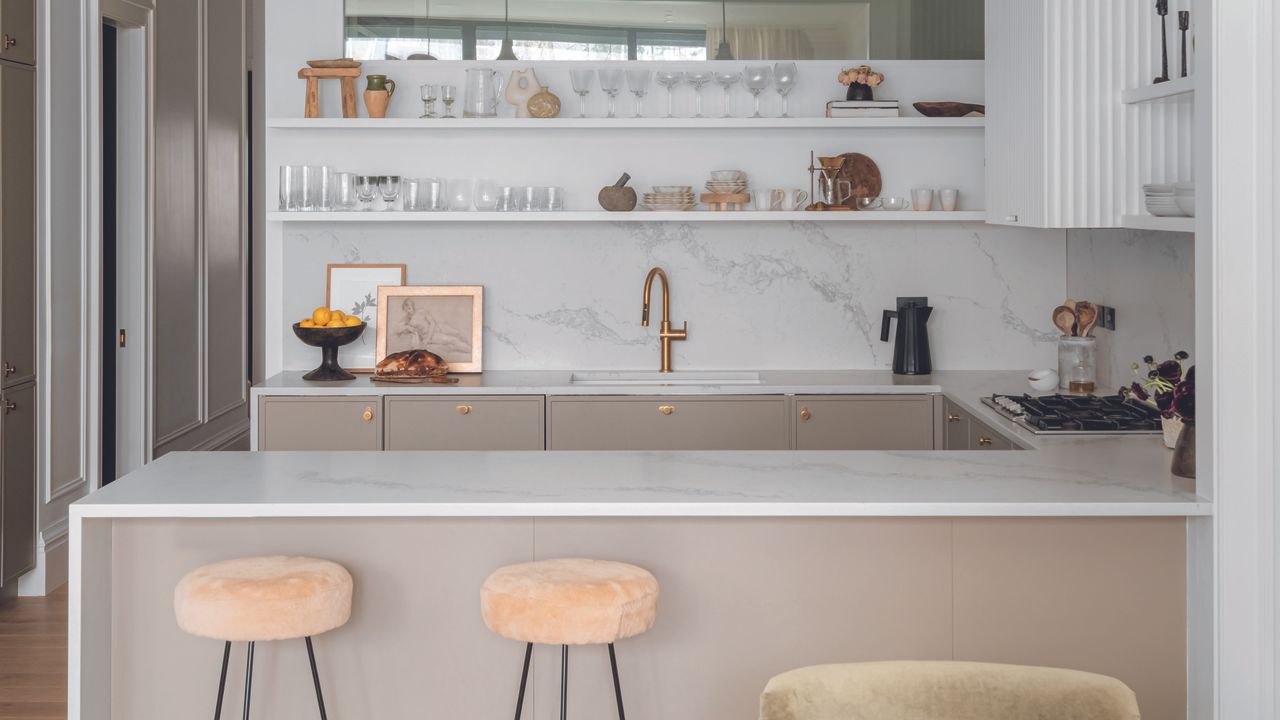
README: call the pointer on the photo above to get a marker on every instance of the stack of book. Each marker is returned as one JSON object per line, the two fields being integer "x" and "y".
{"x": 862, "y": 108}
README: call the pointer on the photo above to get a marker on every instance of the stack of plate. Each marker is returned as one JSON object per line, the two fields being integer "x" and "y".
{"x": 727, "y": 182}
{"x": 1176, "y": 200}
{"x": 669, "y": 198}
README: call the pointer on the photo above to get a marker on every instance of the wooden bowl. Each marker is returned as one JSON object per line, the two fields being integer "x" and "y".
{"x": 328, "y": 340}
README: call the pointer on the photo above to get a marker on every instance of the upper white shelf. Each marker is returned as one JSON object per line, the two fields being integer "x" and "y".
{"x": 1151, "y": 222}
{"x": 627, "y": 123}
{"x": 1158, "y": 91}
{"x": 635, "y": 216}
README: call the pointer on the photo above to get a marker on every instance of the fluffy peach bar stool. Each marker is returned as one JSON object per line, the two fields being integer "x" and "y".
{"x": 569, "y": 602}
{"x": 263, "y": 598}
{"x": 944, "y": 691}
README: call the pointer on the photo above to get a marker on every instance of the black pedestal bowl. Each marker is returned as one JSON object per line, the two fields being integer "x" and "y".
{"x": 328, "y": 340}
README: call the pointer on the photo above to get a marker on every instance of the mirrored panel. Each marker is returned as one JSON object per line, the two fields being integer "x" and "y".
{"x": 679, "y": 30}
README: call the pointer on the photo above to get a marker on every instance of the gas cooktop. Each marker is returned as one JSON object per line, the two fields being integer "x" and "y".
{"x": 1077, "y": 414}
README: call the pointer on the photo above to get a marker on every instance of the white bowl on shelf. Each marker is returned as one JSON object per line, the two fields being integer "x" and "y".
{"x": 1187, "y": 204}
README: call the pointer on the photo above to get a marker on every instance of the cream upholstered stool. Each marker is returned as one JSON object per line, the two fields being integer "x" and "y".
{"x": 569, "y": 602}
{"x": 944, "y": 691}
{"x": 263, "y": 598}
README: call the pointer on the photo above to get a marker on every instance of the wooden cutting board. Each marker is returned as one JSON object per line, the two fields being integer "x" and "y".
{"x": 863, "y": 175}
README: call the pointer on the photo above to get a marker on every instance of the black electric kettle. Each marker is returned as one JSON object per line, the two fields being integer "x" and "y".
{"x": 911, "y": 343}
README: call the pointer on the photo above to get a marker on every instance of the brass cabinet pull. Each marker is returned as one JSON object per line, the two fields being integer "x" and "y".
{"x": 464, "y": 409}
{"x": 9, "y": 369}
{"x": 953, "y": 418}
{"x": 666, "y": 409}
{"x": 10, "y": 406}
{"x": 805, "y": 414}
{"x": 9, "y": 41}
{"x": 984, "y": 441}
{"x": 368, "y": 414}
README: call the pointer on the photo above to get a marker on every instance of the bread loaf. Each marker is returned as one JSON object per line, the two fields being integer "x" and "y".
{"x": 411, "y": 364}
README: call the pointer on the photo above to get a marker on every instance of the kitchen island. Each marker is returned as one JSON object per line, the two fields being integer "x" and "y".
{"x": 1073, "y": 554}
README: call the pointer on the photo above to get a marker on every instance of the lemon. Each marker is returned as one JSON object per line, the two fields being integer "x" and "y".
{"x": 353, "y": 321}
{"x": 336, "y": 324}
{"x": 307, "y": 322}
{"x": 321, "y": 316}
{"x": 337, "y": 315}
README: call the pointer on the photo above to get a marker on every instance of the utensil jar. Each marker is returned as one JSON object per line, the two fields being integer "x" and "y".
{"x": 1077, "y": 364}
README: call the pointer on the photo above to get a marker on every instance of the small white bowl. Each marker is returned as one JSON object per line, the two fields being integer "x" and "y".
{"x": 726, "y": 174}
{"x": 1043, "y": 380}
{"x": 1187, "y": 205}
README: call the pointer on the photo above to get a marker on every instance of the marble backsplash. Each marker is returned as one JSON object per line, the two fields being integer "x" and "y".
{"x": 790, "y": 295}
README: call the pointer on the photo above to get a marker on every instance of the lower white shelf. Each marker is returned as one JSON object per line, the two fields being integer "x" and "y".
{"x": 633, "y": 217}
{"x": 1152, "y": 222}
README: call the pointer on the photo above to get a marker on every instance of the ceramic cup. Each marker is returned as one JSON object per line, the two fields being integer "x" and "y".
{"x": 765, "y": 199}
{"x": 921, "y": 199}
{"x": 793, "y": 199}
{"x": 950, "y": 198}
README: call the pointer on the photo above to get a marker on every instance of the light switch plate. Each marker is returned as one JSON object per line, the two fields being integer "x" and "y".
{"x": 1107, "y": 317}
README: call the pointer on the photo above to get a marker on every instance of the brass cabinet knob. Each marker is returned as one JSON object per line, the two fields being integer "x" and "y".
{"x": 805, "y": 414}
{"x": 464, "y": 409}
{"x": 9, "y": 41}
{"x": 666, "y": 409}
{"x": 368, "y": 414}
{"x": 984, "y": 441}
{"x": 10, "y": 406}
{"x": 953, "y": 418}
{"x": 9, "y": 369}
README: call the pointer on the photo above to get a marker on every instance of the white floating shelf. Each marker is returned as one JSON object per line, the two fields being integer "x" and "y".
{"x": 631, "y": 217}
{"x": 1158, "y": 91}
{"x": 1151, "y": 222}
{"x": 626, "y": 123}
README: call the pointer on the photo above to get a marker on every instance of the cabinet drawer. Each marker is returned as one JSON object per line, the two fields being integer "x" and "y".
{"x": 18, "y": 25}
{"x": 317, "y": 423}
{"x": 18, "y": 483}
{"x": 669, "y": 423}
{"x": 17, "y": 223}
{"x": 982, "y": 437}
{"x": 866, "y": 422}
{"x": 465, "y": 423}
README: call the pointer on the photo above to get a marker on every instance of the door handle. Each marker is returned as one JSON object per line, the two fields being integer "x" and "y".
{"x": 805, "y": 414}
{"x": 368, "y": 414}
{"x": 953, "y": 418}
{"x": 984, "y": 441}
{"x": 464, "y": 409}
{"x": 666, "y": 409}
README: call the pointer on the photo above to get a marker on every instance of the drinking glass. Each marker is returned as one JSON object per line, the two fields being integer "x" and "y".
{"x": 582, "y": 86}
{"x": 610, "y": 83}
{"x": 698, "y": 79}
{"x": 428, "y": 100}
{"x": 756, "y": 78}
{"x": 448, "y": 94}
{"x": 324, "y": 188}
{"x": 921, "y": 198}
{"x": 366, "y": 190}
{"x": 459, "y": 195}
{"x": 553, "y": 198}
{"x": 508, "y": 199}
{"x": 726, "y": 81}
{"x": 784, "y": 81}
{"x": 434, "y": 196}
{"x": 486, "y": 195}
{"x": 411, "y": 194}
{"x": 314, "y": 186}
{"x": 638, "y": 82}
{"x": 533, "y": 198}
{"x": 669, "y": 80}
{"x": 291, "y": 187}
{"x": 344, "y": 192}
{"x": 389, "y": 188}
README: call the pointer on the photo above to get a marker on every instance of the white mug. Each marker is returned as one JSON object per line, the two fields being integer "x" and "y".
{"x": 793, "y": 199}
{"x": 949, "y": 197}
{"x": 765, "y": 199}
{"x": 921, "y": 198}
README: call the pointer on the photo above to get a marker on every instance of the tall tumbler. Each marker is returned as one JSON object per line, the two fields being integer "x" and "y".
{"x": 344, "y": 192}
{"x": 291, "y": 187}
{"x": 313, "y": 187}
{"x": 411, "y": 194}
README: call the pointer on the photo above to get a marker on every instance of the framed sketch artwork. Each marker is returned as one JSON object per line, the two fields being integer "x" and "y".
{"x": 447, "y": 320}
{"x": 353, "y": 289}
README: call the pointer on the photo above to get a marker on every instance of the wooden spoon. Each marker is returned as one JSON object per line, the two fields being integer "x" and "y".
{"x": 1086, "y": 317}
{"x": 1064, "y": 318}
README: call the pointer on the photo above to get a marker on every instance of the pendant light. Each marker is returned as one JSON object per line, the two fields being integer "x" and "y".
{"x": 429, "y": 55}
{"x": 508, "y": 51}
{"x": 723, "y": 52}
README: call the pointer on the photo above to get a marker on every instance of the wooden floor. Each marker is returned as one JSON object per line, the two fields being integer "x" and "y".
{"x": 33, "y": 658}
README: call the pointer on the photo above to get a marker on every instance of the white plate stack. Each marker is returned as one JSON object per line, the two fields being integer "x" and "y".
{"x": 1170, "y": 200}
{"x": 727, "y": 182}
{"x": 670, "y": 198}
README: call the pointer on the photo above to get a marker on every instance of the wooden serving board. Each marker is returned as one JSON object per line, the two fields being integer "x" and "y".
{"x": 338, "y": 63}
{"x": 863, "y": 175}
{"x": 434, "y": 380}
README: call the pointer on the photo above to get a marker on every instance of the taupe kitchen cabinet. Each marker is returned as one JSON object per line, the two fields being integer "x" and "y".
{"x": 963, "y": 431}
{"x": 864, "y": 422}
{"x": 320, "y": 423}
{"x": 17, "y": 482}
{"x": 668, "y": 423}
{"x": 17, "y": 223}
{"x": 464, "y": 423}
{"x": 18, "y": 31}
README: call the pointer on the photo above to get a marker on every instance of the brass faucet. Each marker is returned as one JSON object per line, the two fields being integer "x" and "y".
{"x": 665, "y": 333}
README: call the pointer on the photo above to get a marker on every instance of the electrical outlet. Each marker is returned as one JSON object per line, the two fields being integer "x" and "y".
{"x": 1106, "y": 317}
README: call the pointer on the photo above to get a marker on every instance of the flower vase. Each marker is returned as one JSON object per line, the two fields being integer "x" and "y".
{"x": 859, "y": 91}
{"x": 1184, "y": 455}
{"x": 1172, "y": 427}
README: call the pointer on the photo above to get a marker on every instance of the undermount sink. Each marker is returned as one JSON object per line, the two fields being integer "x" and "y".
{"x": 686, "y": 377}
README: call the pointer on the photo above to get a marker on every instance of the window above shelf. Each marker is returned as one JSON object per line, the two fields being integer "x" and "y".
{"x": 627, "y": 123}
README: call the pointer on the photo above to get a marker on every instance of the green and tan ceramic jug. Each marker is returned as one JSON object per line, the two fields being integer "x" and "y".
{"x": 377, "y": 95}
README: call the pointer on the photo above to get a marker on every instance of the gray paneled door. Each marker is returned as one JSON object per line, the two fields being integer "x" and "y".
{"x": 200, "y": 273}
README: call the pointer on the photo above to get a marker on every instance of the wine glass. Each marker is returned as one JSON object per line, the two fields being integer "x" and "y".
{"x": 756, "y": 78}
{"x": 389, "y": 187}
{"x": 448, "y": 94}
{"x": 582, "y": 85}
{"x": 366, "y": 190}
{"x": 726, "y": 81}
{"x": 610, "y": 83}
{"x": 698, "y": 79}
{"x": 669, "y": 79}
{"x": 784, "y": 81}
{"x": 638, "y": 82}
{"x": 428, "y": 100}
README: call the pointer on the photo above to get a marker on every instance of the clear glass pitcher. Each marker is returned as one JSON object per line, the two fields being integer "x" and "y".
{"x": 483, "y": 87}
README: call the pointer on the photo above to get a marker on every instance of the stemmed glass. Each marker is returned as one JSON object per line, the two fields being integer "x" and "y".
{"x": 784, "y": 81}
{"x": 366, "y": 190}
{"x": 726, "y": 81}
{"x": 669, "y": 80}
{"x": 611, "y": 83}
{"x": 698, "y": 79}
{"x": 389, "y": 187}
{"x": 582, "y": 85}
{"x": 448, "y": 94}
{"x": 428, "y": 100}
{"x": 638, "y": 82}
{"x": 756, "y": 78}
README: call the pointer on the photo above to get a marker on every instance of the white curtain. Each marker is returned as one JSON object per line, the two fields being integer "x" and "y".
{"x": 762, "y": 42}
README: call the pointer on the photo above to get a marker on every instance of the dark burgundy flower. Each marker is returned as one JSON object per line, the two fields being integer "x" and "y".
{"x": 1139, "y": 391}
{"x": 1164, "y": 403}
{"x": 1181, "y": 355}
{"x": 1170, "y": 370}
{"x": 1184, "y": 397}
{"x": 1148, "y": 359}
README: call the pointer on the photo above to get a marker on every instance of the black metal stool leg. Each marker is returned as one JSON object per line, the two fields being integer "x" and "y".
{"x": 564, "y": 680}
{"x": 315, "y": 678}
{"x": 524, "y": 678}
{"x": 617, "y": 686}
{"x": 222, "y": 681}
{"x": 248, "y": 680}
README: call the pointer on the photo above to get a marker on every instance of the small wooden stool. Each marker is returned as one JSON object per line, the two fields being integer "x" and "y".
{"x": 313, "y": 76}
{"x": 725, "y": 201}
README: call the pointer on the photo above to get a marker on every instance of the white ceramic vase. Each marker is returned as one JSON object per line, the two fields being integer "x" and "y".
{"x": 1172, "y": 427}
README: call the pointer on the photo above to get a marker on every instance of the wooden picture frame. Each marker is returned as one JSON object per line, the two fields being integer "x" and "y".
{"x": 448, "y": 320}
{"x": 353, "y": 289}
